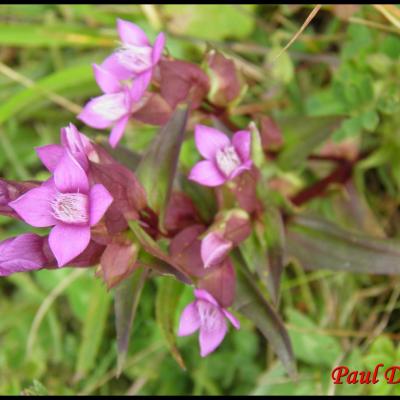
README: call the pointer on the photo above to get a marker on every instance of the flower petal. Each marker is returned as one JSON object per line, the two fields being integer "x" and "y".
{"x": 91, "y": 116}
{"x": 232, "y": 319}
{"x": 34, "y": 207}
{"x": 50, "y": 155}
{"x": 214, "y": 249}
{"x": 113, "y": 66}
{"x": 100, "y": 199}
{"x": 68, "y": 242}
{"x": 241, "y": 141}
{"x": 139, "y": 85}
{"x": 77, "y": 143}
{"x": 107, "y": 82}
{"x": 244, "y": 167}
{"x": 158, "y": 48}
{"x": 117, "y": 131}
{"x": 210, "y": 339}
{"x": 69, "y": 176}
{"x": 130, "y": 33}
{"x": 189, "y": 321}
{"x": 207, "y": 174}
{"x": 209, "y": 141}
{"x": 202, "y": 294}
{"x": 21, "y": 253}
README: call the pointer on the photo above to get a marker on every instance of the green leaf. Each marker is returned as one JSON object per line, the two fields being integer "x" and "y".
{"x": 127, "y": 296}
{"x": 319, "y": 244}
{"x": 93, "y": 329}
{"x": 168, "y": 294}
{"x": 251, "y": 303}
{"x": 156, "y": 171}
{"x": 274, "y": 234}
{"x": 51, "y": 35}
{"x": 222, "y": 21}
{"x": 319, "y": 350}
{"x": 282, "y": 68}
{"x": 370, "y": 120}
{"x": 57, "y": 82}
{"x": 168, "y": 266}
{"x": 302, "y": 135}
{"x": 264, "y": 250}
{"x": 350, "y": 127}
{"x": 36, "y": 389}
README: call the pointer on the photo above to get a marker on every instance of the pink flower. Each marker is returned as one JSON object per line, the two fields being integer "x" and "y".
{"x": 22, "y": 253}
{"x": 224, "y": 159}
{"x": 214, "y": 249}
{"x": 207, "y": 316}
{"x": 136, "y": 58}
{"x": 69, "y": 205}
{"x": 73, "y": 141}
{"x": 115, "y": 107}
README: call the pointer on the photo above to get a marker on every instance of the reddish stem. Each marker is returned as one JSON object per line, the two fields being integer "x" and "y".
{"x": 340, "y": 175}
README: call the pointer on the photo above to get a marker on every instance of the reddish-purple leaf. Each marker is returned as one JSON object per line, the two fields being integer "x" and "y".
{"x": 221, "y": 283}
{"x": 155, "y": 111}
{"x": 129, "y": 196}
{"x": 11, "y": 190}
{"x": 226, "y": 84}
{"x": 271, "y": 134}
{"x": 181, "y": 81}
{"x": 180, "y": 213}
{"x": 117, "y": 262}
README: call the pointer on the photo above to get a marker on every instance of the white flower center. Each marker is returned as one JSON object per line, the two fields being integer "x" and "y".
{"x": 135, "y": 58}
{"x": 210, "y": 316}
{"x": 71, "y": 208}
{"x": 111, "y": 106}
{"x": 227, "y": 160}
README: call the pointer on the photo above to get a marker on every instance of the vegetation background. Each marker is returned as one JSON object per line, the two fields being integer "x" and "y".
{"x": 57, "y": 327}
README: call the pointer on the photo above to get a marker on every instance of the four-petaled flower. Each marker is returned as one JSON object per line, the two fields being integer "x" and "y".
{"x": 224, "y": 159}
{"x": 69, "y": 204}
{"x": 115, "y": 107}
{"x": 207, "y": 316}
{"x": 136, "y": 58}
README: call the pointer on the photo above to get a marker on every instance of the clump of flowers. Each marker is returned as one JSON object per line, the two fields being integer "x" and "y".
{"x": 103, "y": 213}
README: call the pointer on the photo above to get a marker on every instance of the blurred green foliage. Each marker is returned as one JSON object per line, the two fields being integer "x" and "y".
{"x": 57, "y": 330}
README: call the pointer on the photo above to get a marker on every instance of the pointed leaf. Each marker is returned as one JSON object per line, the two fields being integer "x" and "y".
{"x": 319, "y": 244}
{"x": 118, "y": 261}
{"x": 127, "y": 296}
{"x": 302, "y": 135}
{"x": 154, "y": 249}
{"x": 275, "y": 243}
{"x": 264, "y": 250}
{"x": 156, "y": 170}
{"x": 168, "y": 294}
{"x": 251, "y": 303}
{"x": 93, "y": 329}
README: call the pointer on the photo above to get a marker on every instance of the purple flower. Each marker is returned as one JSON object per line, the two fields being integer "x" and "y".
{"x": 214, "y": 248}
{"x": 73, "y": 141}
{"x": 21, "y": 253}
{"x": 207, "y": 316}
{"x": 136, "y": 58}
{"x": 67, "y": 203}
{"x": 115, "y": 107}
{"x": 224, "y": 159}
